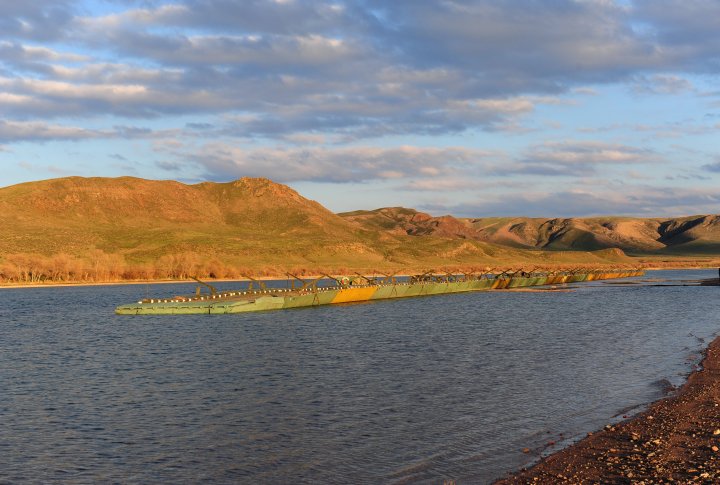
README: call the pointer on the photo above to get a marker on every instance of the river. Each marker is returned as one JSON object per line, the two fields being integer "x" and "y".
{"x": 418, "y": 390}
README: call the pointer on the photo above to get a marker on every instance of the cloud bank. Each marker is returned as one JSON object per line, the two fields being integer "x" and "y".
{"x": 354, "y": 91}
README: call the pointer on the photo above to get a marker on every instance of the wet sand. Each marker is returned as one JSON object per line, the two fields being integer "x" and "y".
{"x": 677, "y": 440}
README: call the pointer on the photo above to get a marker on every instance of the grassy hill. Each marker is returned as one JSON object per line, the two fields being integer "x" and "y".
{"x": 249, "y": 220}
{"x": 106, "y": 228}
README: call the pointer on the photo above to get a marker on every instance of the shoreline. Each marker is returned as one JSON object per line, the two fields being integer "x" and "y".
{"x": 675, "y": 439}
{"x": 4, "y": 286}
{"x": 225, "y": 280}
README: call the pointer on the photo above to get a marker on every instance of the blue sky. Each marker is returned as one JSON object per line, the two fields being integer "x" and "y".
{"x": 556, "y": 108}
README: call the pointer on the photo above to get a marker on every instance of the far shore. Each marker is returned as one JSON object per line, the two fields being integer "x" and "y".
{"x": 211, "y": 281}
{"x": 49, "y": 284}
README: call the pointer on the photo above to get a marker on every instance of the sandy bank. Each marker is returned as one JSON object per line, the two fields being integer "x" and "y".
{"x": 677, "y": 440}
{"x": 50, "y": 284}
{"x": 133, "y": 282}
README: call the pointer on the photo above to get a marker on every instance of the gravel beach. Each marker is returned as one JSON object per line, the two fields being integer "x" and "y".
{"x": 677, "y": 440}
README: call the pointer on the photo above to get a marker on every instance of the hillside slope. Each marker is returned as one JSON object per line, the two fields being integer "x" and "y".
{"x": 693, "y": 235}
{"x": 145, "y": 219}
{"x": 249, "y": 224}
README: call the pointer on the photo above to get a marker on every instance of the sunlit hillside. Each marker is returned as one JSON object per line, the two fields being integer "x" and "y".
{"x": 692, "y": 236}
{"x": 127, "y": 228}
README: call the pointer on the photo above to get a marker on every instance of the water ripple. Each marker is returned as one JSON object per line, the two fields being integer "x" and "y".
{"x": 411, "y": 391}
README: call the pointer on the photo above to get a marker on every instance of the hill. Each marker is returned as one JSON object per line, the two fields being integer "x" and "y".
{"x": 112, "y": 228}
{"x": 143, "y": 220}
{"x": 684, "y": 236}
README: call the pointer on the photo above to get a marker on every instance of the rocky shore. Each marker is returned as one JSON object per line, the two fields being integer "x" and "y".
{"x": 677, "y": 440}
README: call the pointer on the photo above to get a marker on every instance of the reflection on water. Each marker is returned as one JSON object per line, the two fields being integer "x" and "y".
{"x": 416, "y": 390}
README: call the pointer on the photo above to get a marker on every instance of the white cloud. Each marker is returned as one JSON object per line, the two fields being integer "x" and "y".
{"x": 631, "y": 200}
{"x": 336, "y": 164}
{"x": 580, "y": 157}
{"x": 426, "y": 68}
{"x": 662, "y": 84}
{"x": 14, "y": 131}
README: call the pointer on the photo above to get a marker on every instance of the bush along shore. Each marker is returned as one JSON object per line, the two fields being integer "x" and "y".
{"x": 99, "y": 267}
{"x": 677, "y": 440}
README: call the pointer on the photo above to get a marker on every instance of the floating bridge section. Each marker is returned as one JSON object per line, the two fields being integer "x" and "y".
{"x": 256, "y": 296}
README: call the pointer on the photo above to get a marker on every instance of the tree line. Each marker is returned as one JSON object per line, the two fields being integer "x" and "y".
{"x": 97, "y": 266}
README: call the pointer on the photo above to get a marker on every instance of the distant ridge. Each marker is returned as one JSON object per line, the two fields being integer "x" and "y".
{"x": 126, "y": 228}
{"x": 691, "y": 235}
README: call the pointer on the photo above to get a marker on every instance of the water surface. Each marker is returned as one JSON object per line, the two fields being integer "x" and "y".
{"x": 403, "y": 391}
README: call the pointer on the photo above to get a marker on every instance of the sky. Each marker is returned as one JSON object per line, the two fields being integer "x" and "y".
{"x": 554, "y": 108}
